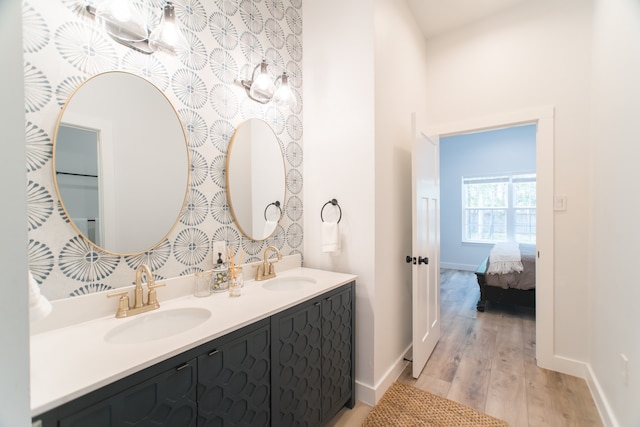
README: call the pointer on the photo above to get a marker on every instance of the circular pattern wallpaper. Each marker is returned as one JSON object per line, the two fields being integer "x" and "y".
{"x": 64, "y": 46}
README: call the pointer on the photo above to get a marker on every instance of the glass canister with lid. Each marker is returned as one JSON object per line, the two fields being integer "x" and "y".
{"x": 219, "y": 281}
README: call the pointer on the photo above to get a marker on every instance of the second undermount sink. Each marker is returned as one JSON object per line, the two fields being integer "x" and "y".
{"x": 156, "y": 325}
{"x": 289, "y": 283}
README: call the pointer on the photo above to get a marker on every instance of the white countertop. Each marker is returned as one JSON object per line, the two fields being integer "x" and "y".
{"x": 74, "y": 359}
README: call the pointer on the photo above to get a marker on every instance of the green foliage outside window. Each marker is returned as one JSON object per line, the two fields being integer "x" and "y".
{"x": 499, "y": 208}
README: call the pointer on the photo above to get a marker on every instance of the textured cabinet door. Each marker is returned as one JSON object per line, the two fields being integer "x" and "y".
{"x": 337, "y": 352}
{"x": 312, "y": 359}
{"x": 297, "y": 365}
{"x": 234, "y": 380}
{"x": 168, "y": 399}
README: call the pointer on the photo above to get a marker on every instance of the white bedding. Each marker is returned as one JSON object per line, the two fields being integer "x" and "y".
{"x": 505, "y": 258}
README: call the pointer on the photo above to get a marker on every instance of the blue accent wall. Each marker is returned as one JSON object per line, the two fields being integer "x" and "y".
{"x": 483, "y": 153}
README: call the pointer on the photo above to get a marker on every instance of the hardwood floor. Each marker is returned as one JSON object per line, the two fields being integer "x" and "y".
{"x": 487, "y": 361}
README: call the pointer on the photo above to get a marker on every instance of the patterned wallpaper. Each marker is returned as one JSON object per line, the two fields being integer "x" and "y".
{"x": 63, "y": 46}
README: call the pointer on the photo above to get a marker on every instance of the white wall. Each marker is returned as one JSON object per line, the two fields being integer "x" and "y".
{"x": 14, "y": 320}
{"x": 517, "y": 60}
{"x": 614, "y": 291}
{"x": 338, "y": 147}
{"x": 364, "y": 76}
{"x": 400, "y": 90}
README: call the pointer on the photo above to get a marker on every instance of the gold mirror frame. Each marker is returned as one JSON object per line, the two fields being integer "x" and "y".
{"x": 271, "y": 200}
{"x": 149, "y": 209}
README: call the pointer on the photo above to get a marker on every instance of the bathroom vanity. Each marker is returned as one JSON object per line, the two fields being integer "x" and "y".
{"x": 281, "y": 354}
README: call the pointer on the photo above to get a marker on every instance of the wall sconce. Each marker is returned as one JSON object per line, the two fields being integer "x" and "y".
{"x": 122, "y": 21}
{"x": 261, "y": 89}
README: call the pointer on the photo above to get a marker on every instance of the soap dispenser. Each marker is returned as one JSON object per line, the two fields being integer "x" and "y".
{"x": 219, "y": 282}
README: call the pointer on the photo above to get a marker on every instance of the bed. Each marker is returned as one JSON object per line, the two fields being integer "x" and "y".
{"x": 514, "y": 287}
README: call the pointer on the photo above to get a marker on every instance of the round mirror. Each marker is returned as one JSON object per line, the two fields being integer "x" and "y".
{"x": 255, "y": 179}
{"x": 121, "y": 163}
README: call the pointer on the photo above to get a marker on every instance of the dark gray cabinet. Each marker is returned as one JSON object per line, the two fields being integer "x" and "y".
{"x": 312, "y": 359}
{"x": 297, "y": 365}
{"x": 294, "y": 368}
{"x": 167, "y": 399}
{"x": 225, "y": 382}
{"x": 338, "y": 342}
{"x": 234, "y": 381}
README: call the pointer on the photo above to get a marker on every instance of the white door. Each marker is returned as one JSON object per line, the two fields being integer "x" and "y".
{"x": 425, "y": 258}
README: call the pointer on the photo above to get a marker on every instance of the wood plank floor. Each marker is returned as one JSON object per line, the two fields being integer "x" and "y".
{"x": 487, "y": 361}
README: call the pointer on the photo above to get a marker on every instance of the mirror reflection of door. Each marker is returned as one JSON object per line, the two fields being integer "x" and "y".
{"x": 79, "y": 180}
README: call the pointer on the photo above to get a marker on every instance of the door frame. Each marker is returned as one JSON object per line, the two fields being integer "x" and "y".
{"x": 543, "y": 118}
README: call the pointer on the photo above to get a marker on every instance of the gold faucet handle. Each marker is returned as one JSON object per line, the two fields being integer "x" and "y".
{"x": 153, "y": 295}
{"x": 272, "y": 268}
{"x": 123, "y": 302}
{"x": 122, "y": 295}
{"x": 259, "y": 271}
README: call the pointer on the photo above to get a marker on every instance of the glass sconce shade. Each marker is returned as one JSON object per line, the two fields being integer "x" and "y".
{"x": 167, "y": 36}
{"x": 262, "y": 88}
{"x": 121, "y": 20}
{"x": 125, "y": 24}
{"x": 284, "y": 96}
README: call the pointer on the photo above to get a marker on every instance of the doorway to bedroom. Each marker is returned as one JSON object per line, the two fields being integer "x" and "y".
{"x": 488, "y": 193}
{"x": 539, "y": 122}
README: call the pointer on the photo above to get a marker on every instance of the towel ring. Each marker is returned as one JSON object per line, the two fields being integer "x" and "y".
{"x": 334, "y": 202}
{"x": 277, "y": 205}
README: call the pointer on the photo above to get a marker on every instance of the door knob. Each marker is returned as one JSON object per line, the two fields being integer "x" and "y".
{"x": 409, "y": 259}
{"x": 424, "y": 260}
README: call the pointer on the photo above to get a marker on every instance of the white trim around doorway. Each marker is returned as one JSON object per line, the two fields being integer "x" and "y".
{"x": 543, "y": 118}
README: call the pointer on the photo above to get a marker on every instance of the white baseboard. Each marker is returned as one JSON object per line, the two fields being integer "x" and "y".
{"x": 565, "y": 365}
{"x": 599, "y": 398}
{"x": 583, "y": 370}
{"x": 365, "y": 393}
{"x": 370, "y": 395}
{"x": 455, "y": 266}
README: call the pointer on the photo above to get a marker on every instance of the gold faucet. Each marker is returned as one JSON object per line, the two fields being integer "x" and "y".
{"x": 266, "y": 270}
{"x": 139, "y": 306}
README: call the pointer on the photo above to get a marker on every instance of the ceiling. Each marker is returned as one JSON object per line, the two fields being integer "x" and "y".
{"x": 438, "y": 16}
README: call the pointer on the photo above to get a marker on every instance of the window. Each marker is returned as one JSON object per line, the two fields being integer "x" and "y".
{"x": 499, "y": 208}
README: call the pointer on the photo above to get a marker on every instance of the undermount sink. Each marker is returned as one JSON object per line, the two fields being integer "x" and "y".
{"x": 290, "y": 283}
{"x": 156, "y": 325}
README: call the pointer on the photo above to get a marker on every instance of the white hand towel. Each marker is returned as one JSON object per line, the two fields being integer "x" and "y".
{"x": 39, "y": 306}
{"x": 330, "y": 237}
